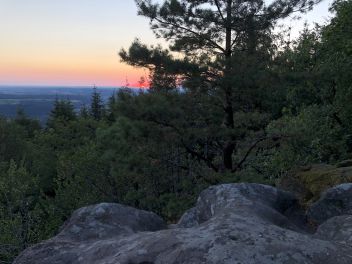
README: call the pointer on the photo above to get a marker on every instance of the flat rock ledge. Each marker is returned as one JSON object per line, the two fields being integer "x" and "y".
{"x": 230, "y": 223}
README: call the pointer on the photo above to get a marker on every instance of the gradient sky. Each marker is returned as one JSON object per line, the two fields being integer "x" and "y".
{"x": 75, "y": 42}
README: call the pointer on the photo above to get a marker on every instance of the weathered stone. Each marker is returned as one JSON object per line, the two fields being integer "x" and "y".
{"x": 106, "y": 220}
{"x": 231, "y": 223}
{"x": 334, "y": 202}
{"x": 189, "y": 218}
{"x": 338, "y": 228}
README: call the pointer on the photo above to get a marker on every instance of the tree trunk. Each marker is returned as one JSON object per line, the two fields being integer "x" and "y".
{"x": 228, "y": 108}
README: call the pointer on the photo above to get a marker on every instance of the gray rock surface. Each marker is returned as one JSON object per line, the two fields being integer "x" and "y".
{"x": 106, "y": 220}
{"x": 189, "y": 218}
{"x": 333, "y": 202}
{"x": 338, "y": 228}
{"x": 231, "y": 223}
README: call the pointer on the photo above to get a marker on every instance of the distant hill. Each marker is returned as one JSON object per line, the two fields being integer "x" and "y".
{"x": 38, "y": 101}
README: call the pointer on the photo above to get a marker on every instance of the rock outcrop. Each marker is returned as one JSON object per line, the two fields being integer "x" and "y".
{"x": 231, "y": 223}
{"x": 308, "y": 182}
{"x": 333, "y": 202}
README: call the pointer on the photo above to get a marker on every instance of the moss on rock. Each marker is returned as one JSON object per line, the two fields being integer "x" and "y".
{"x": 310, "y": 181}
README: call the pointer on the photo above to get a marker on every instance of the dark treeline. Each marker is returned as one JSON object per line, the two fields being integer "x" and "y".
{"x": 252, "y": 106}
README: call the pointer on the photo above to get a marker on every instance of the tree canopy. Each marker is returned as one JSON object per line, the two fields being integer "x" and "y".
{"x": 228, "y": 102}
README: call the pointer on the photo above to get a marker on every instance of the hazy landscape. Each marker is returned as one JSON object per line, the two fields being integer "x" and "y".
{"x": 37, "y": 102}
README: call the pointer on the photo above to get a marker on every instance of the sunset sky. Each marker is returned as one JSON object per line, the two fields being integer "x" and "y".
{"x": 75, "y": 42}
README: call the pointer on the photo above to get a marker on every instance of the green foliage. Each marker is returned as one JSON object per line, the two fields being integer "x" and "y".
{"x": 12, "y": 141}
{"x": 318, "y": 111}
{"x": 97, "y": 107}
{"x": 249, "y": 115}
{"x": 62, "y": 112}
{"x": 312, "y": 136}
{"x": 19, "y": 220}
{"x": 29, "y": 125}
{"x": 231, "y": 44}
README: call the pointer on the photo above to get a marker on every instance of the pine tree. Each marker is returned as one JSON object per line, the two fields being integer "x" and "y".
{"x": 97, "y": 106}
{"x": 84, "y": 112}
{"x": 111, "y": 108}
{"x": 29, "y": 125}
{"x": 230, "y": 41}
{"x": 63, "y": 112}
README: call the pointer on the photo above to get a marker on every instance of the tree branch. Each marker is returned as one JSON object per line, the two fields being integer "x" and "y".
{"x": 213, "y": 43}
{"x": 219, "y": 10}
{"x": 251, "y": 148}
{"x": 188, "y": 149}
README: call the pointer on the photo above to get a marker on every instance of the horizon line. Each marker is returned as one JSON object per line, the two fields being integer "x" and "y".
{"x": 67, "y": 86}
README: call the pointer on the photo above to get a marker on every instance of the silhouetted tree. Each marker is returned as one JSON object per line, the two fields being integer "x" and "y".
{"x": 63, "y": 112}
{"x": 97, "y": 106}
{"x": 84, "y": 112}
{"x": 230, "y": 40}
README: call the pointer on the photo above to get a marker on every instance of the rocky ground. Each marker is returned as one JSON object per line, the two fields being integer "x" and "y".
{"x": 231, "y": 223}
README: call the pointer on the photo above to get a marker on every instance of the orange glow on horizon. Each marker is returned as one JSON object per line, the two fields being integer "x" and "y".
{"x": 75, "y": 43}
{"x": 73, "y": 74}
{"x": 69, "y": 43}
{"x": 139, "y": 85}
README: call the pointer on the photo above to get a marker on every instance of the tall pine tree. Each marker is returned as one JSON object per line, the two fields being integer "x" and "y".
{"x": 97, "y": 106}
{"x": 230, "y": 41}
{"x": 63, "y": 111}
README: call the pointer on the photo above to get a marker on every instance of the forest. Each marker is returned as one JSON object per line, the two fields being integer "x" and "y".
{"x": 231, "y": 100}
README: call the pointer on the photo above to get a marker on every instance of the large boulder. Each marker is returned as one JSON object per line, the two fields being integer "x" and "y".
{"x": 231, "y": 223}
{"x": 106, "y": 220}
{"x": 335, "y": 201}
{"x": 245, "y": 199}
{"x": 87, "y": 226}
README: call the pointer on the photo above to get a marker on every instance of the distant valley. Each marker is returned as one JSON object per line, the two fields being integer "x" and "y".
{"x": 37, "y": 102}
